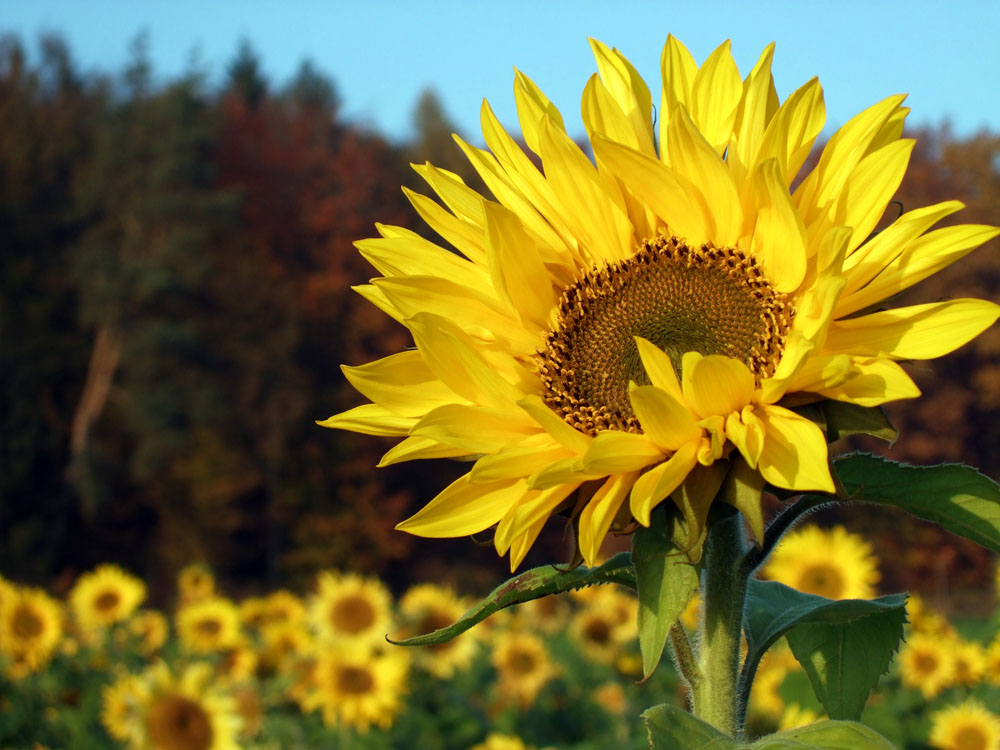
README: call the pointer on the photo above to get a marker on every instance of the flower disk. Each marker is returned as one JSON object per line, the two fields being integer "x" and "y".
{"x": 599, "y": 336}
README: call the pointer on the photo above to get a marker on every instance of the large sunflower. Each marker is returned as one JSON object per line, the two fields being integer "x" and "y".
{"x": 966, "y": 726}
{"x": 350, "y": 609}
{"x": 623, "y": 326}
{"x": 833, "y": 563}
{"x": 188, "y": 712}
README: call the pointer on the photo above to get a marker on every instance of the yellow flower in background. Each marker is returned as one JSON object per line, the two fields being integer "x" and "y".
{"x": 765, "y": 695}
{"x": 152, "y": 628}
{"x": 497, "y": 741}
{"x": 123, "y": 707}
{"x": 283, "y": 606}
{"x": 31, "y": 624}
{"x": 833, "y": 563}
{"x": 605, "y": 625}
{"x": 923, "y": 619}
{"x": 992, "y": 671}
{"x": 692, "y": 612}
{"x": 357, "y": 687}
{"x": 796, "y": 716}
{"x": 966, "y": 726}
{"x": 195, "y": 582}
{"x": 104, "y": 596}
{"x": 283, "y": 644}
{"x": 427, "y": 607}
{"x": 523, "y": 666}
{"x": 351, "y": 609}
{"x": 253, "y": 611}
{"x": 624, "y": 325}
{"x": 238, "y": 663}
{"x": 969, "y": 658}
{"x": 611, "y": 697}
{"x": 926, "y": 663}
{"x": 189, "y": 712}
{"x": 209, "y": 625}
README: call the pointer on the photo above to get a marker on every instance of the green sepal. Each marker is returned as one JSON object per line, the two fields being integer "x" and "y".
{"x": 531, "y": 584}
{"x": 825, "y": 735}
{"x": 839, "y": 419}
{"x": 954, "y": 496}
{"x": 844, "y": 646}
{"x": 665, "y": 581}
{"x": 673, "y": 728}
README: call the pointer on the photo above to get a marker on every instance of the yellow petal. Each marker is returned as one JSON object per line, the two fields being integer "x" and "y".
{"x": 597, "y": 516}
{"x": 747, "y": 433}
{"x": 666, "y": 420}
{"x": 369, "y": 419}
{"x": 415, "y": 447}
{"x": 613, "y": 452}
{"x": 655, "y": 485}
{"x": 819, "y": 373}
{"x": 693, "y": 158}
{"x": 555, "y": 425}
{"x": 795, "y": 453}
{"x": 465, "y": 237}
{"x": 401, "y": 383}
{"x": 519, "y": 460}
{"x": 374, "y": 295}
{"x": 563, "y": 471}
{"x": 659, "y": 368}
{"x": 715, "y": 96}
{"x": 598, "y": 213}
{"x": 475, "y": 429}
{"x": 460, "y": 199}
{"x": 629, "y": 91}
{"x": 414, "y": 256}
{"x": 533, "y": 107}
{"x": 790, "y": 135}
{"x": 797, "y": 351}
{"x": 678, "y": 69}
{"x": 916, "y": 332}
{"x": 715, "y": 385}
{"x": 672, "y": 198}
{"x": 872, "y": 381}
{"x": 779, "y": 237}
{"x": 463, "y": 508}
{"x": 457, "y": 362}
{"x": 870, "y": 188}
{"x": 516, "y": 268}
{"x": 534, "y": 507}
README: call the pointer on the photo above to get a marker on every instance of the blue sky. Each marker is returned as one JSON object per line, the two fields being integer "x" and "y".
{"x": 381, "y": 54}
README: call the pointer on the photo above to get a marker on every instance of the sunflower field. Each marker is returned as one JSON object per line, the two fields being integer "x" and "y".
{"x": 313, "y": 669}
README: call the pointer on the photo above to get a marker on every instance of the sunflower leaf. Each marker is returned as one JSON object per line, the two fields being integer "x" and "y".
{"x": 954, "y": 496}
{"x": 673, "y": 728}
{"x": 844, "y": 419}
{"x": 665, "y": 581}
{"x": 825, "y": 735}
{"x": 844, "y": 646}
{"x": 531, "y": 584}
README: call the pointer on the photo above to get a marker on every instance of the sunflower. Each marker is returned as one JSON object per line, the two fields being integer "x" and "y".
{"x": 152, "y": 628}
{"x": 209, "y": 625}
{"x": 31, "y": 624}
{"x": 104, "y": 596}
{"x": 497, "y": 741}
{"x": 992, "y": 671}
{"x": 238, "y": 663}
{"x": 123, "y": 705}
{"x": 966, "y": 726}
{"x": 358, "y": 687}
{"x": 621, "y": 326}
{"x": 832, "y": 563}
{"x": 188, "y": 712}
{"x": 283, "y": 606}
{"x": 923, "y": 619}
{"x": 765, "y": 697}
{"x": 427, "y": 607}
{"x": 796, "y": 716}
{"x": 523, "y": 666}
{"x": 284, "y": 643}
{"x": 195, "y": 582}
{"x": 970, "y": 660}
{"x": 348, "y": 608}
{"x": 925, "y": 663}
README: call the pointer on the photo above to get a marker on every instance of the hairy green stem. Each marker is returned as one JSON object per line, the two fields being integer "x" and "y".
{"x": 684, "y": 656}
{"x": 724, "y": 588}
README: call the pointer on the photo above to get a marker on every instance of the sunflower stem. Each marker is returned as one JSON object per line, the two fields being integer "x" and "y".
{"x": 724, "y": 588}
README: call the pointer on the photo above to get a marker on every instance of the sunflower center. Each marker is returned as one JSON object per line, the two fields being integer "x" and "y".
{"x": 925, "y": 663}
{"x": 970, "y": 738}
{"x": 209, "y": 627}
{"x": 354, "y": 680}
{"x": 823, "y": 580}
{"x": 704, "y": 299}
{"x": 352, "y": 614}
{"x": 179, "y": 723}
{"x": 597, "y": 631}
{"x": 107, "y": 601}
{"x": 27, "y": 623}
{"x": 522, "y": 662}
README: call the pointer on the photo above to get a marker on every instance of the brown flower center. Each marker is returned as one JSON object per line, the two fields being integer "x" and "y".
{"x": 970, "y": 738}
{"x": 354, "y": 680}
{"x": 522, "y": 661}
{"x": 26, "y": 623}
{"x": 823, "y": 580}
{"x": 107, "y": 601}
{"x": 352, "y": 614}
{"x": 179, "y": 723}
{"x": 704, "y": 299}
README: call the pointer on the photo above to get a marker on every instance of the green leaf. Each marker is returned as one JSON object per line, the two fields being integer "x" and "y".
{"x": 665, "y": 581}
{"x": 673, "y": 728}
{"x": 844, "y": 646}
{"x": 531, "y": 584}
{"x": 956, "y": 497}
{"x": 844, "y": 419}
{"x": 825, "y": 735}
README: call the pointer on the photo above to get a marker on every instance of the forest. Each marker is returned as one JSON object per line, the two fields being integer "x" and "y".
{"x": 176, "y": 262}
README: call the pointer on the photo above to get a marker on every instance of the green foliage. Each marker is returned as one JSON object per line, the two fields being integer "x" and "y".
{"x": 956, "y": 497}
{"x": 844, "y": 646}
{"x": 665, "y": 581}
{"x": 673, "y": 728}
{"x": 532, "y": 584}
{"x": 826, "y": 735}
{"x": 840, "y": 419}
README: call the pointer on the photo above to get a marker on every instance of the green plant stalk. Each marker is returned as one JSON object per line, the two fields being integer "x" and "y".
{"x": 724, "y": 588}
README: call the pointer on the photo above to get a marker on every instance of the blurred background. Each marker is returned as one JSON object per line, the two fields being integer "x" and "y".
{"x": 180, "y": 187}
